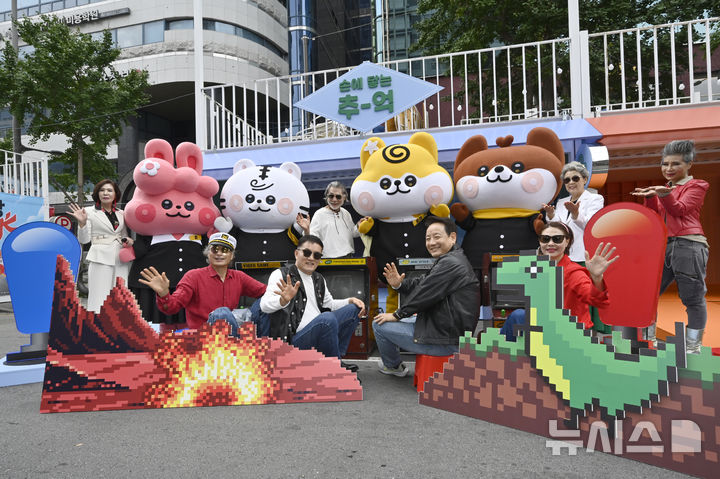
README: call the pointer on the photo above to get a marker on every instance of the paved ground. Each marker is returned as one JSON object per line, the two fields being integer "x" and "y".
{"x": 388, "y": 434}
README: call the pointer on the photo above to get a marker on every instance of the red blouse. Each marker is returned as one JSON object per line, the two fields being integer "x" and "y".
{"x": 579, "y": 291}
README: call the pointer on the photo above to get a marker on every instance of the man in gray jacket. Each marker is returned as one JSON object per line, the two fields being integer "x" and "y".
{"x": 446, "y": 300}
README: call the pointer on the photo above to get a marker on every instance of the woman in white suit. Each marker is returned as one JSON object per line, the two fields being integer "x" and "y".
{"x": 103, "y": 225}
{"x": 575, "y": 211}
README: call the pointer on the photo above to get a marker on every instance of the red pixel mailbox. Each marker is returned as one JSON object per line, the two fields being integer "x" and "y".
{"x": 633, "y": 282}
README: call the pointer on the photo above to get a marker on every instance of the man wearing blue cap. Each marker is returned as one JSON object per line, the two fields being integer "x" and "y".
{"x": 202, "y": 291}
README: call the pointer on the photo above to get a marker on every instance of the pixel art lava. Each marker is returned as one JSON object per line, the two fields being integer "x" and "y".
{"x": 115, "y": 360}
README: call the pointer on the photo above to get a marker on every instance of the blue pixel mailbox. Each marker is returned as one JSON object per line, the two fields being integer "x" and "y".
{"x": 30, "y": 257}
{"x": 367, "y": 96}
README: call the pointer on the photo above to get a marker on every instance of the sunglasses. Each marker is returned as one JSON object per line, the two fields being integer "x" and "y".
{"x": 557, "y": 239}
{"x": 220, "y": 249}
{"x": 568, "y": 179}
{"x": 306, "y": 252}
{"x": 331, "y": 196}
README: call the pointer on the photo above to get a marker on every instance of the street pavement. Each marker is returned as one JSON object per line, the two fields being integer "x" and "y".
{"x": 387, "y": 435}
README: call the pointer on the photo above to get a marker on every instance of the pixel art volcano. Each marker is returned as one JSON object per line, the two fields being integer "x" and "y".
{"x": 115, "y": 360}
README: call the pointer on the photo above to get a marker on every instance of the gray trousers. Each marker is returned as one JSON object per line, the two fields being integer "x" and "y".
{"x": 686, "y": 264}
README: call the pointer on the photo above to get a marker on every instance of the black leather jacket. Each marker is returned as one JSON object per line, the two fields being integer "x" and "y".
{"x": 446, "y": 300}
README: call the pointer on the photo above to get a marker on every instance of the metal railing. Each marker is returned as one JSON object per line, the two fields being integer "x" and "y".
{"x": 655, "y": 65}
{"x": 24, "y": 176}
{"x": 644, "y": 67}
{"x": 227, "y": 129}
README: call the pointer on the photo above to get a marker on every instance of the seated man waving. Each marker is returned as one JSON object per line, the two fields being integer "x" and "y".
{"x": 446, "y": 300}
{"x": 201, "y": 291}
{"x": 303, "y": 312}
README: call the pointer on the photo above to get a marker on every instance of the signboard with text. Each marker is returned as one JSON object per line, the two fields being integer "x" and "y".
{"x": 15, "y": 210}
{"x": 367, "y": 96}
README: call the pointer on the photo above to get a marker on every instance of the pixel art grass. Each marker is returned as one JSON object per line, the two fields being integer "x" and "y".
{"x": 115, "y": 360}
{"x": 648, "y": 406}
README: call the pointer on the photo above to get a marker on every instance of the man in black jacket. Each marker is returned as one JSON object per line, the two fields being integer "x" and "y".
{"x": 446, "y": 300}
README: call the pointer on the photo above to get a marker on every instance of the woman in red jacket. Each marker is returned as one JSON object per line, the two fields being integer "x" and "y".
{"x": 678, "y": 202}
{"x": 581, "y": 286}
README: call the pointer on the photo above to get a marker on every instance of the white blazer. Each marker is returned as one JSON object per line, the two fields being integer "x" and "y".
{"x": 105, "y": 241}
{"x": 590, "y": 203}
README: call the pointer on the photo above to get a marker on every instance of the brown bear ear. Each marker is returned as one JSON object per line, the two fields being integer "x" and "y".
{"x": 471, "y": 146}
{"x": 369, "y": 147}
{"x": 547, "y": 139}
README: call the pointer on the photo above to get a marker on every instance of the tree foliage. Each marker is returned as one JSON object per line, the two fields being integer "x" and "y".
{"x": 65, "y": 83}
{"x": 465, "y": 25}
{"x": 459, "y": 25}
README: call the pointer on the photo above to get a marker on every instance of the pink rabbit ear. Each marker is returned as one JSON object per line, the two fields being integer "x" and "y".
{"x": 190, "y": 155}
{"x": 159, "y": 148}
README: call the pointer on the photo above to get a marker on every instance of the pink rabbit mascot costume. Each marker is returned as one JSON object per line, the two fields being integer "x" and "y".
{"x": 171, "y": 210}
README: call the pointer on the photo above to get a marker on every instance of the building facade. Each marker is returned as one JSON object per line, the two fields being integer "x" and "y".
{"x": 243, "y": 41}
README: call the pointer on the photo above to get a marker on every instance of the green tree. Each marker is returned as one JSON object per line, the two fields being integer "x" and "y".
{"x": 458, "y": 25}
{"x": 465, "y": 25}
{"x": 65, "y": 83}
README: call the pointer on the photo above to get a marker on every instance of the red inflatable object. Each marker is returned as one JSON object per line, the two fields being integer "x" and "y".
{"x": 633, "y": 281}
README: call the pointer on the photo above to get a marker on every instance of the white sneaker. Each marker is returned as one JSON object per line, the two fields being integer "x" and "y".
{"x": 401, "y": 371}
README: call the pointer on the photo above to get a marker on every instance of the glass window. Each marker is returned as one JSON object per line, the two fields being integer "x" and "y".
{"x": 27, "y": 3}
{"x": 45, "y": 8}
{"x": 225, "y": 28}
{"x": 154, "y": 32}
{"x": 70, "y": 3}
{"x": 5, "y": 5}
{"x": 129, "y": 36}
{"x": 83, "y": 2}
{"x": 179, "y": 25}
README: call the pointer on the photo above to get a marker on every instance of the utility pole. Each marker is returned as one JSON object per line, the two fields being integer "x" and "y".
{"x": 17, "y": 144}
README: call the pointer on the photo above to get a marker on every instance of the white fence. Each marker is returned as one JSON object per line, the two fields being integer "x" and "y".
{"x": 646, "y": 67}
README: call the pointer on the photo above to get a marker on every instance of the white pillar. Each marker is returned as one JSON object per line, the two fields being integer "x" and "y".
{"x": 200, "y": 114}
{"x": 579, "y": 64}
{"x": 575, "y": 77}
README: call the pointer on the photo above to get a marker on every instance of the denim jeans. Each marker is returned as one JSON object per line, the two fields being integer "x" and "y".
{"x": 261, "y": 320}
{"x": 686, "y": 263}
{"x": 516, "y": 317}
{"x": 329, "y": 332}
{"x": 393, "y": 335}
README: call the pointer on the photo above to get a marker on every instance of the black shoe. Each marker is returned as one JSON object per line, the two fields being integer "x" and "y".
{"x": 350, "y": 367}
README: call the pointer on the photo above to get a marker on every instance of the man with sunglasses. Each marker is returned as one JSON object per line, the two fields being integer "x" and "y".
{"x": 202, "y": 291}
{"x": 303, "y": 312}
{"x": 334, "y": 225}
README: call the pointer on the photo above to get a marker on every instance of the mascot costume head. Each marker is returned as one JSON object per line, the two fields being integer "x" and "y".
{"x": 263, "y": 202}
{"x": 169, "y": 200}
{"x": 502, "y": 191}
{"x": 399, "y": 185}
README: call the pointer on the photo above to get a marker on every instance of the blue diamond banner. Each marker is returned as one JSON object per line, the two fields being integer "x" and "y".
{"x": 367, "y": 96}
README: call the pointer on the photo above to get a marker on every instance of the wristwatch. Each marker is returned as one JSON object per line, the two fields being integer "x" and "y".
{"x": 396, "y": 315}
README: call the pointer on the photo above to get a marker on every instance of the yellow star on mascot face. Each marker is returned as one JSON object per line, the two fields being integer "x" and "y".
{"x": 399, "y": 185}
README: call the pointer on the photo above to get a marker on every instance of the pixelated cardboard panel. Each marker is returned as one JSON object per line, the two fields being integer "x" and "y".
{"x": 680, "y": 432}
{"x": 115, "y": 360}
{"x": 559, "y": 382}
